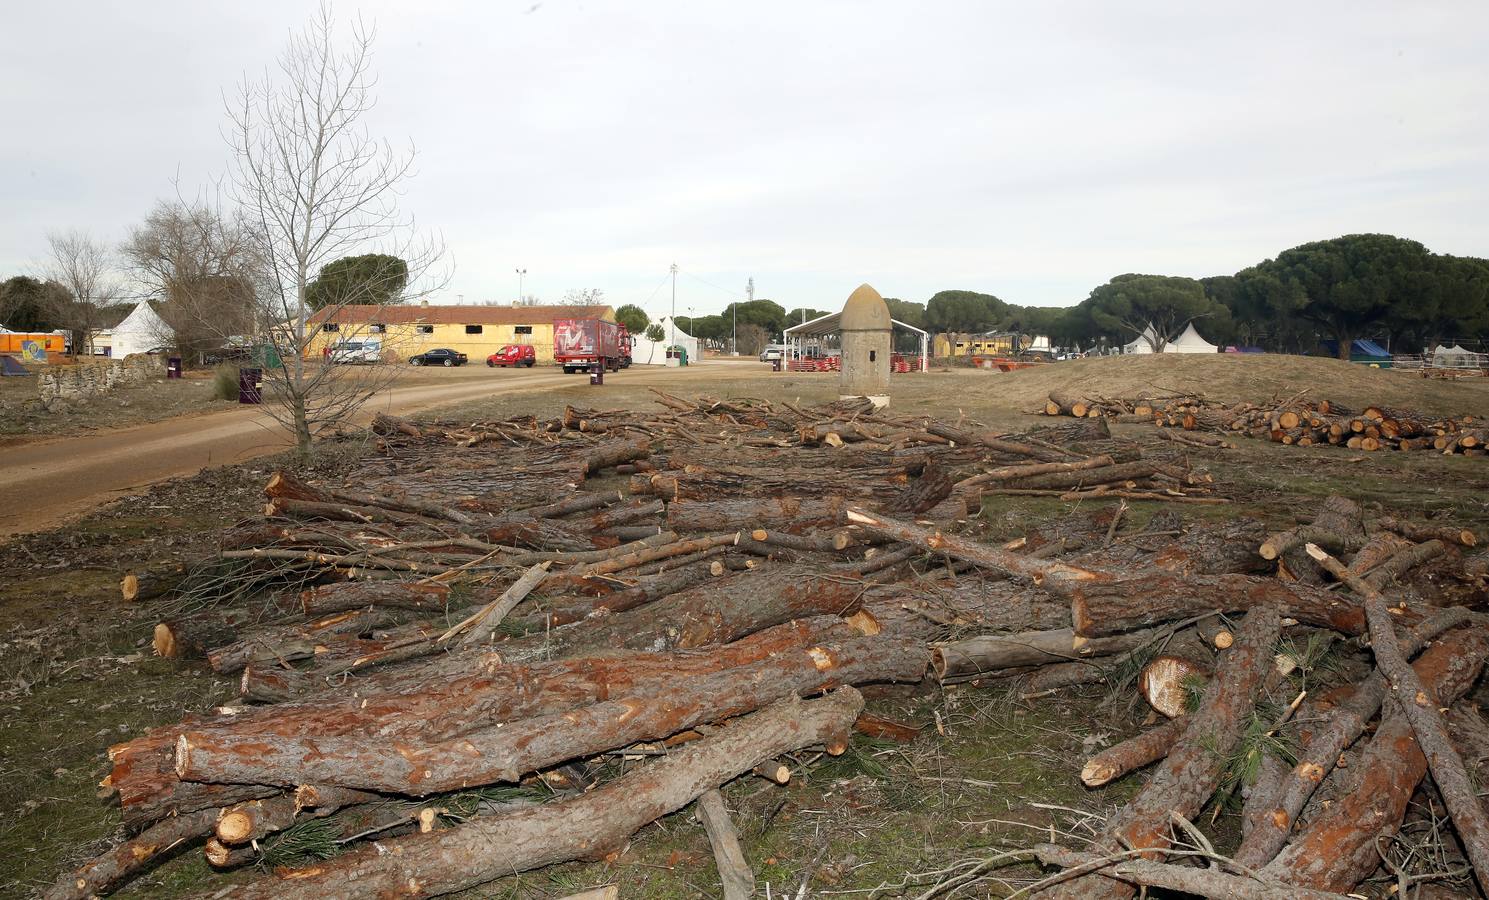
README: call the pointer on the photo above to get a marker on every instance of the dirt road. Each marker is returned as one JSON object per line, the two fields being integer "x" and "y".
{"x": 46, "y": 483}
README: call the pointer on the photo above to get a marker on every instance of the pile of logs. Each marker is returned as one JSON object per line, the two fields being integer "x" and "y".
{"x": 543, "y": 602}
{"x": 1295, "y": 421}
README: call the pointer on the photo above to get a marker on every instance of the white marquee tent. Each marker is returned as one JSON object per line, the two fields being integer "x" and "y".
{"x": 143, "y": 329}
{"x": 1188, "y": 342}
{"x": 654, "y": 353}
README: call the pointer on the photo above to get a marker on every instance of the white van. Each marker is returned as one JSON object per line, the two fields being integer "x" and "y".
{"x": 353, "y": 351}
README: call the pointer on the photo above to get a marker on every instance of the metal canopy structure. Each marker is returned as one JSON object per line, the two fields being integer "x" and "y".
{"x": 828, "y": 325}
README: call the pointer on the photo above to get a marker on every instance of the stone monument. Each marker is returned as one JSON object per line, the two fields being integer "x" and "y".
{"x": 866, "y": 347}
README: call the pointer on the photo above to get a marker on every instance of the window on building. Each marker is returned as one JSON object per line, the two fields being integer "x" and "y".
{"x": 331, "y": 326}
{"x": 424, "y": 329}
{"x": 472, "y": 329}
{"x": 378, "y": 328}
{"x": 523, "y": 329}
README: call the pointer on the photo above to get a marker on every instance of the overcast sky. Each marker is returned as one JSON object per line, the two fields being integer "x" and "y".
{"x": 1028, "y": 150}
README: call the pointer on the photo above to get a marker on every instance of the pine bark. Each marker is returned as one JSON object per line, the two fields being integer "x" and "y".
{"x": 587, "y": 826}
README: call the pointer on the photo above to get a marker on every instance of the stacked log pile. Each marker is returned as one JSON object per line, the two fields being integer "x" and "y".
{"x": 541, "y": 602}
{"x": 1294, "y": 421}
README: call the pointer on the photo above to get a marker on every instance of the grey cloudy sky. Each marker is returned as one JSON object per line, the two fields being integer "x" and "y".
{"x": 1029, "y": 150}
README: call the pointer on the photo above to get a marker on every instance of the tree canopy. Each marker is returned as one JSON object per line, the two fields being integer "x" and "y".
{"x": 372, "y": 278}
{"x": 29, "y": 304}
{"x": 1130, "y": 303}
{"x": 1349, "y": 285}
{"x": 633, "y": 317}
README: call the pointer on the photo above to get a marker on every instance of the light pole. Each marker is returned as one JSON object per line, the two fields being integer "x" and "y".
{"x": 521, "y": 273}
{"x": 673, "y": 319}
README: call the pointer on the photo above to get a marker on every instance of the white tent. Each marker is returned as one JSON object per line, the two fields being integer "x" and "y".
{"x": 143, "y": 329}
{"x": 1141, "y": 344}
{"x": 654, "y": 353}
{"x": 1190, "y": 342}
{"x": 1454, "y": 357}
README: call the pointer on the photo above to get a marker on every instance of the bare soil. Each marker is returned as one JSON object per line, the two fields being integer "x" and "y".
{"x": 989, "y": 770}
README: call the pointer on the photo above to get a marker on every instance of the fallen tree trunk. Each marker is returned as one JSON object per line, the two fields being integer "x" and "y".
{"x": 1404, "y": 561}
{"x": 792, "y": 514}
{"x": 979, "y": 655}
{"x": 333, "y": 598}
{"x": 1099, "y": 608}
{"x": 587, "y": 826}
{"x": 508, "y": 751}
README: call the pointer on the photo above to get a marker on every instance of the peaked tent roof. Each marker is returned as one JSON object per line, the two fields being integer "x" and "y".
{"x": 1140, "y": 343}
{"x": 1190, "y": 342}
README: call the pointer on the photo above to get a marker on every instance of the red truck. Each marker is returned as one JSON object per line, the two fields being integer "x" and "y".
{"x": 579, "y": 345}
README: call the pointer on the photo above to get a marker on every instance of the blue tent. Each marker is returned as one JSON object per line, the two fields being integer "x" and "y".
{"x": 1360, "y": 351}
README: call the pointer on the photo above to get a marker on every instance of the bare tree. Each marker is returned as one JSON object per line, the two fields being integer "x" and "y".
{"x": 204, "y": 268}
{"x": 84, "y": 269}
{"x": 313, "y": 186}
{"x": 584, "y": 297}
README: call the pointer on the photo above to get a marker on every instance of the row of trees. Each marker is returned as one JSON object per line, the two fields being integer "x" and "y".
{"x": 1355, "y": 286}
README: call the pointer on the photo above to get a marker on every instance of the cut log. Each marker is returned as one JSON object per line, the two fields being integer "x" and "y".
{"x": 1133, "y": 753}
{"x": 1422, "y": 532}
{"x": 792, "y": 514}
{"x": 118, "y": 865}
{"x": 665, "y": 551}
{"x": 1337, "y": 850}
{"x": 1327, "y": 740}
{"x": 1188, "y": 775}
{"x": 1403, "y": 562}
{"x": 1100, "y": 608}
{"x": 734, "y": 870}
{"x": 969, "y": 551}
{"x": 482, "y": 624}
{"x": 587, "y": 826}
{"x": 1336, "y": 516}
{"x": 1210, "y": 882}
{"x": 1278, "y": 544}
{"x": 1065, "y": 404}
{"x": 194, "y": 637}
{"x": 286, "y": 643}
{"x": 829, "y": 542}
{"x": 333, "y": 598}
{"x": 147, "y": 585}
{"x": 1167, "y": 682}
{"x": 506, "y": 752}
{"x": 1423, "y": 710}
{"x": 1116, "y": 474}
{"x": 976, "y": 656}
{"x": 1027, "y": 470}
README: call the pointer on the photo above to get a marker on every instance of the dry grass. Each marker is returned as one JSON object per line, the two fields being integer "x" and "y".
{"x": 1234, "y": 377}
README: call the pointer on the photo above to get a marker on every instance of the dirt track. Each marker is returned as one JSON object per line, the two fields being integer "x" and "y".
{"x": 46, "y": 483}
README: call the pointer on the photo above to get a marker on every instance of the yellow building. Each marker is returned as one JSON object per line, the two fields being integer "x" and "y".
{"x": 477, "y": 331}
{"x": 1000, "y": 344}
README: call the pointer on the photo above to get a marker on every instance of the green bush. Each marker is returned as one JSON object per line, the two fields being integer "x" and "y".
{"x": 225, "y": 382}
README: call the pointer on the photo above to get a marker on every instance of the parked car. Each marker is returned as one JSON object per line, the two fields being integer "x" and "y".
{"x": 770, "y": 354}
{"x": 442, "y": 356}
{"x": 513, "y": 355}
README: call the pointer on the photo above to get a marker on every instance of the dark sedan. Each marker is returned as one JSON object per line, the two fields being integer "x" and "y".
{"x": 440, "y": 357}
